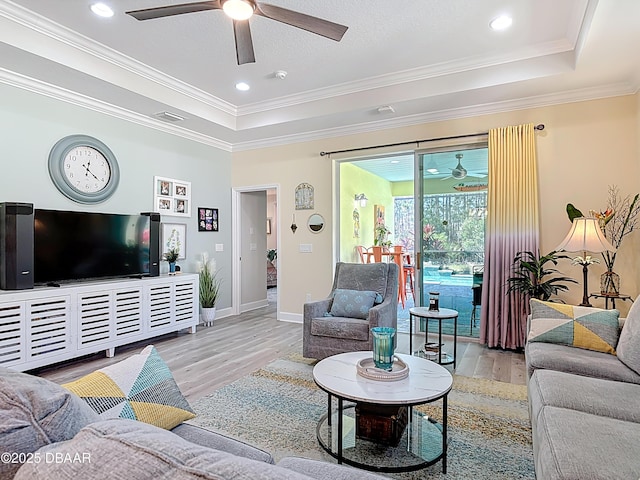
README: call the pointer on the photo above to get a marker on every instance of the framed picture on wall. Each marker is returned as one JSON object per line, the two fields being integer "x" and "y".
{"x": 172, "y": 197}
{"x": 174, "y": 235}
{"x": 207, "y": 219}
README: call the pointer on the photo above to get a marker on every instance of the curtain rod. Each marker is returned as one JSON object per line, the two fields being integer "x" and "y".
{"x": 417, "y": 142}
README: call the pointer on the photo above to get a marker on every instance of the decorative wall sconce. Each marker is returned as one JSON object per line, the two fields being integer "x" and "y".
{"x": 361, "y": 200}
{"x": 294, "y": 227}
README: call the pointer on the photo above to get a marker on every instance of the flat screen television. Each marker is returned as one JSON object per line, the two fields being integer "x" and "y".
{"x": 72, "y": 246}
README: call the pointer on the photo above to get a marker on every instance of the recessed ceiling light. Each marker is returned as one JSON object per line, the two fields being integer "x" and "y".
{"x": 238, "y": 9}
{"x": 243, "y": 87}
{"x": 394, "y": 161}
{"x": 501, "y": 23}
{"x": 102, "y": 10}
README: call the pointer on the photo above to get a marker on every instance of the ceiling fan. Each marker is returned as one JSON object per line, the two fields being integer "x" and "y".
{"x": 240, "y": 11}
{"x": 459, "y": 172}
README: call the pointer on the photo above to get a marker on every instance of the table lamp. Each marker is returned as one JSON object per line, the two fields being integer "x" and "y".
{"x": 585, "y": 236}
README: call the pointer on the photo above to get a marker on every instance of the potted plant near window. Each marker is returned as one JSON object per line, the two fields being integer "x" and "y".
{"x": 209, "y": 289}
{"x": 532, "y": 278}
{"x": 171, "y": 256}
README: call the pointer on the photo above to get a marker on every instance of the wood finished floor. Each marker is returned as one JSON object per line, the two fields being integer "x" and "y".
{"x": 236, "y": 346}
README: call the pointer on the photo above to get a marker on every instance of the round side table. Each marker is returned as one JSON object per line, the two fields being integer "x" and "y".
{"x": 439, "y": 316}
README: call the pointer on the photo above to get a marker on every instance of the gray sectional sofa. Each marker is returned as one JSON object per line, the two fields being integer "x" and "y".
{"x": 585, "y": 407}
{"x": 47, "y": 432}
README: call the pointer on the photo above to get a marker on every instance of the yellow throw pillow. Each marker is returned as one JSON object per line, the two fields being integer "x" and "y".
{"x": 140, "y": 387}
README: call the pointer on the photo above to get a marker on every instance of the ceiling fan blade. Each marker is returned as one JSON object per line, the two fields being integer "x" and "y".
{"x": 244, "y": 44}
{"x": 170, "y": 10}
{"x": 316, "y": 25}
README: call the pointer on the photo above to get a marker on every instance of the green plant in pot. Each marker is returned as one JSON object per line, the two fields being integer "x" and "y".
{"x": 209, "y": 288}
{"x": 534, "y": 278}
{"x": 272, "y": 254}
{"x": 171, "y": 256}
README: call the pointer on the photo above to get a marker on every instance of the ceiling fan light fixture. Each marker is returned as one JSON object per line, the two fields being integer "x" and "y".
{"x": 238, "y": 9}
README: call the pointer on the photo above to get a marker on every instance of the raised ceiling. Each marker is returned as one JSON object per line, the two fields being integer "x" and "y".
{"x": 428, "y": 60}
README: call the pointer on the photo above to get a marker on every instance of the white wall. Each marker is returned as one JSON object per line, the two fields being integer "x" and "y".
{"x": 30, "y": 124}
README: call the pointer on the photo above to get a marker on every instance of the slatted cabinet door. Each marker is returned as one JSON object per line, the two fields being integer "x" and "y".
{"x": 48, "y": 329}
{"x": 186, "y": 302}
{"x": 12, "y": 340}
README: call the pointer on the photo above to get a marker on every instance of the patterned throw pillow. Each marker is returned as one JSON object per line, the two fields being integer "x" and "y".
{"x": 353, "y": 303}
{"x": 582, "y": 327}
{"x": 140, "y": 387}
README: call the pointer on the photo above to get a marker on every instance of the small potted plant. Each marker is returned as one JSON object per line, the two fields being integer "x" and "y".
{"x": 209, "y": 289}
{"x": 171, "y": 256}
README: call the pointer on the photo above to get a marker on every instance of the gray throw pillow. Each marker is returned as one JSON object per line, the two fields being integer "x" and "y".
{"x": 36, "y": 412}
{"x": 352, "y": 303}
{"x": 118, "y": 449}
{"x": 629, "y": 343}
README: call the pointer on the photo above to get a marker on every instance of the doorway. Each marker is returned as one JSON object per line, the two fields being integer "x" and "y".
{"x": 255, "y": 232}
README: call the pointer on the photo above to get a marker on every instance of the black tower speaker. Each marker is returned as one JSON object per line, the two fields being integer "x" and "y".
{"x": 154, "y": 244}
{"x": 16, "y": 246}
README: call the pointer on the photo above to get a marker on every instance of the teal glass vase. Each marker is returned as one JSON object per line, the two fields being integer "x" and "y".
{"x": 383, "y": 347}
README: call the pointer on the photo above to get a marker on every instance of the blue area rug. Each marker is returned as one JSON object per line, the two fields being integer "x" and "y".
{"x": 278, "y": 407}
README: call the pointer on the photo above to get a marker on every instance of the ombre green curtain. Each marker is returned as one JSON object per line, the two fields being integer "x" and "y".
{"x": 512, "y": 226}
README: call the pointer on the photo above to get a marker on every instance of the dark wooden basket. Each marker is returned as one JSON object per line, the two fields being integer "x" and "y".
{"x": 380, "y": 423}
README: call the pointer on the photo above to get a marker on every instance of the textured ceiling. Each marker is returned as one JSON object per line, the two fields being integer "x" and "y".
{"x": 428, "y": 60}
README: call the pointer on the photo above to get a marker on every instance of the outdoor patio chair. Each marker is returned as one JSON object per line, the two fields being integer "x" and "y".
{"x": 342, "y": 322}
{"x": 363, "y": 253}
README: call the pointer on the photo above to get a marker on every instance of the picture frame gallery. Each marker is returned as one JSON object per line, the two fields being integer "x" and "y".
{"x": 172, "y": 197}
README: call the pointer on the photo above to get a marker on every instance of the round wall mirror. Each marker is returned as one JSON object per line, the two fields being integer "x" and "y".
{"x": 316, "y": 223}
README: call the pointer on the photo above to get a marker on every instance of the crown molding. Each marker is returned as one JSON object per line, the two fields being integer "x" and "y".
{"x": 571, "y": 96}
{"x": 407, "y": 76}
{"x": 62, "y": 34}
{"x": 52, "y": 91}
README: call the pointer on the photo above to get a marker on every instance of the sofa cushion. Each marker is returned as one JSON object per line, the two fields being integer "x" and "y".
{"x": 341, "y": 327}
{"x": 590, "y": 395}
{"x": 35, "y": 412}
{"x": 352, "y": 303}
{"x": 584, "y": 327}
{"x": 578, "y": 361}
{"x": 207, "y": 438}
{"x": 326, "y": 471}
{"x": 119, "y": 449}
{"x": 140, "y": 387}
{"x": 629, "y": 343}
{"x": 573, "y": 445}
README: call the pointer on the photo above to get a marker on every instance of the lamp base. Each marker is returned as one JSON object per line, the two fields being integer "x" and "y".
{"x": 585, "y": 295}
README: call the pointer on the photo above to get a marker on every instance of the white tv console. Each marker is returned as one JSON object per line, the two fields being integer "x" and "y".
{"x": 47, "y": 325}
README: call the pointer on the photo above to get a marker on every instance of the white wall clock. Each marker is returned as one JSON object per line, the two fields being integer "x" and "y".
{"x": 84, "y": 169}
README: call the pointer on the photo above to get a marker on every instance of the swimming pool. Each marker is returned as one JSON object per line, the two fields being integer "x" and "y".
{"x": 446, "y": 277}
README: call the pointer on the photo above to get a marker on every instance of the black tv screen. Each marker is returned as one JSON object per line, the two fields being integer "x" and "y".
{"x": 72, "y": 246}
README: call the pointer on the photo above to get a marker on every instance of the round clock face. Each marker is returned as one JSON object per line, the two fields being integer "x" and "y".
{"x": 84, "y": 169}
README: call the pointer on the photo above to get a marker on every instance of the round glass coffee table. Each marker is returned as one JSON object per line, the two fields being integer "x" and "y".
{"x": 375, "y": 425}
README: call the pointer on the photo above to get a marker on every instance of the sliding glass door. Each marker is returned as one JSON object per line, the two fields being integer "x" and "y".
{"x": 450, "y": 191}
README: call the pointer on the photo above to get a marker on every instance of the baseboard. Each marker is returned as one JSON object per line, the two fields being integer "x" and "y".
{"x": 290, "y": 317}
{"x": 246, "y": 307}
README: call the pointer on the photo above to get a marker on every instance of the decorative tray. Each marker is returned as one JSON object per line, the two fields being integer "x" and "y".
{"x": 367, "y": 369}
